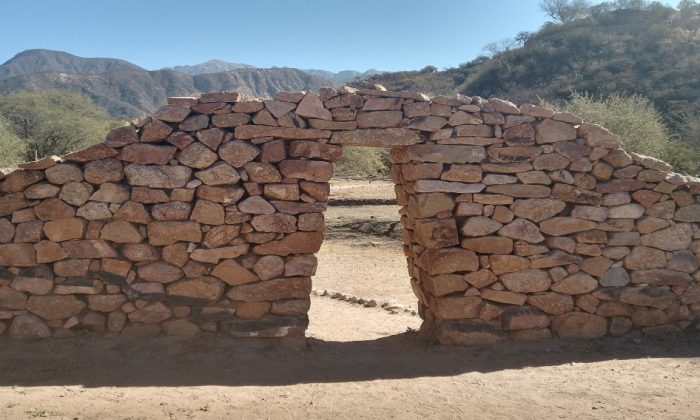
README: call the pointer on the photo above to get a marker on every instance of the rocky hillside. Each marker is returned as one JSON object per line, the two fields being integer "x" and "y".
{"x": 653, "y": 51}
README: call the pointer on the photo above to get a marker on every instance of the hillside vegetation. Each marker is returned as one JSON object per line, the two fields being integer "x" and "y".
{"x": 651, "y": 50}
{"x": 35, "y": 125}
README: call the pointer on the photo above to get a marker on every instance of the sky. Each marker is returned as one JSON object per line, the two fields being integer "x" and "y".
{"x": 323, "y": 34}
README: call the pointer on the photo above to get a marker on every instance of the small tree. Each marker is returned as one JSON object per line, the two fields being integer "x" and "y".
{"x": 54, "y": 122}
{"x": 690, "y": 18}
{"x": 565, "y": 10}
{"x": 12, "y": 149}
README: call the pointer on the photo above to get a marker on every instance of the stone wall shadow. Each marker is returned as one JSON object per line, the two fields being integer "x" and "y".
{"x": 222, "y": 361}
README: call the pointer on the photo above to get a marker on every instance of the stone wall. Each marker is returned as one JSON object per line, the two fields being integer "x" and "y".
{"x": 518, "y": 223}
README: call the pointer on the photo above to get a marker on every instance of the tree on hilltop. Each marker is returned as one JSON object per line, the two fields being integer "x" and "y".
{"x": 565, "y": 11}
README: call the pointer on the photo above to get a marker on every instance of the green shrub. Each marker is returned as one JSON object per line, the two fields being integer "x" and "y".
{"x": 54, "y": 122}
{"x": 362, "y": 162}
{"x": 12, "y": 149}
{"x": 639, "y": 125}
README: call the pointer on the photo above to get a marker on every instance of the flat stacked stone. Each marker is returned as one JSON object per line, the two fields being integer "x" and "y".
{"x": 518, "y": 222}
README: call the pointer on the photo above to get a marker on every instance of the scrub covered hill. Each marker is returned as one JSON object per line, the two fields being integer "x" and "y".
{"x": 651, "y": 50}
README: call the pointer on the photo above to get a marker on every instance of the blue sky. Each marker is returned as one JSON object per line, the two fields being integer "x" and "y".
{"x": 332, "y": 34}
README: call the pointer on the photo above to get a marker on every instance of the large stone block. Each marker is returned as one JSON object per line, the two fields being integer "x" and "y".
{"x": 579, "y": 325}
{"x": 168, "y": 233}
{"x": 446, "y": 153}
{"x": 293, "y": 243}
{"x": 157, "y": 176}
{"x": 448, "y": 260}
{"x": 285, "y": 288}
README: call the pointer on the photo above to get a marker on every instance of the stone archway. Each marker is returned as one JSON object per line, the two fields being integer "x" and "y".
{"x": 519, "y": 222}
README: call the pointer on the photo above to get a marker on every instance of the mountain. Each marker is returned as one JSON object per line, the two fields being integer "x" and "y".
{"x": 653, "y": 51}
{"x": 345, "y": 76}
{"x": 217, "y": 66}
{"x": 42, "y": 61}
{"x": 211, "y": 66}
{"x": 127, "y": 90}
{"x": 129, "y": 93}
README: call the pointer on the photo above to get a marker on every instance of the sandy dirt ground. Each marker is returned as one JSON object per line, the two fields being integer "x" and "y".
{"x": 356, "y": 363}
{"x": 344, "y": 189}
{"x": 362, "y": 255}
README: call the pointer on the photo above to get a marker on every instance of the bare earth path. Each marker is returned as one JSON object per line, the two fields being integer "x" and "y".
{"x": 358, "y": 363}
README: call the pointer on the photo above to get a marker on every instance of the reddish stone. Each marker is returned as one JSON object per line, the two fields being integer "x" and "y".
{"x": 579, "y": 325}
{"x": 65, "y": 229}
{"x": 213, "y": 256}
{"x": 217, "y": 194}
{"x": 287, "y": 288}
{"x": 132, "y": 211}
{"x": 489, "y": 245}
{"x": 238, "y": 153}
{"x": 152, "y": 313}
{"x": 160, "y": 272}
{"x": 121, "y": 232}
{"x": 211, "y": 137}
{"x": 155, "y": 131}
{"x": 219, "y": 174}
{"x": 276, "y": 222}
{"x": 312, "y": 107}
{"x": 148, "y": 154}
{"x": 28, "y": 326}
{"x": 576, "y": 284}
{"x": 140, "y": 252}
{"x": 293, "y": 243}
{"x": 172, "y": 113}
{"x": 148, "y": 195}
{"x": 207, "y": 212}
{"x": 197, "y": 156}
{"x": 168, "y": 233}
{"x": 194, "y": 123}
{"x": 262, "y": 173}
{"x": 55, "y": 307}
{"x": 233, "y": 273}
{"x": 121, "y": 136}
{"x": 96, "y": 152}
{"x": 47, "y": 252}
{"x": 526, "y": 281}
{"x": 300, "y": 265}
{"x": 620, "y": 185}
{"x": 502, "y": 296}
{"x": 157, "y": 176}
{"x": 597, "y": 136}
{"x": 17, "y": 255}
{"x": 203, "y": 288}
{"x": 523, "y": 318}
{"x": 111, "y": 193}
{"x": 448, "y": 260}
{"x": 245, "y": 132}
{"x": 220, "y": 236}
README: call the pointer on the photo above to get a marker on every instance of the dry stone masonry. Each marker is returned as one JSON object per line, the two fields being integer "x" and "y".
{"x": 519, "y": 222}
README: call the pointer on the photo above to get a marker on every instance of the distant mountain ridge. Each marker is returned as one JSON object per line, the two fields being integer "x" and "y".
{"x": 127, "y": 90}
{"x": 211, "y": 66}
{"x": 217, "y": 66}
{"x": 43, "y": 61}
